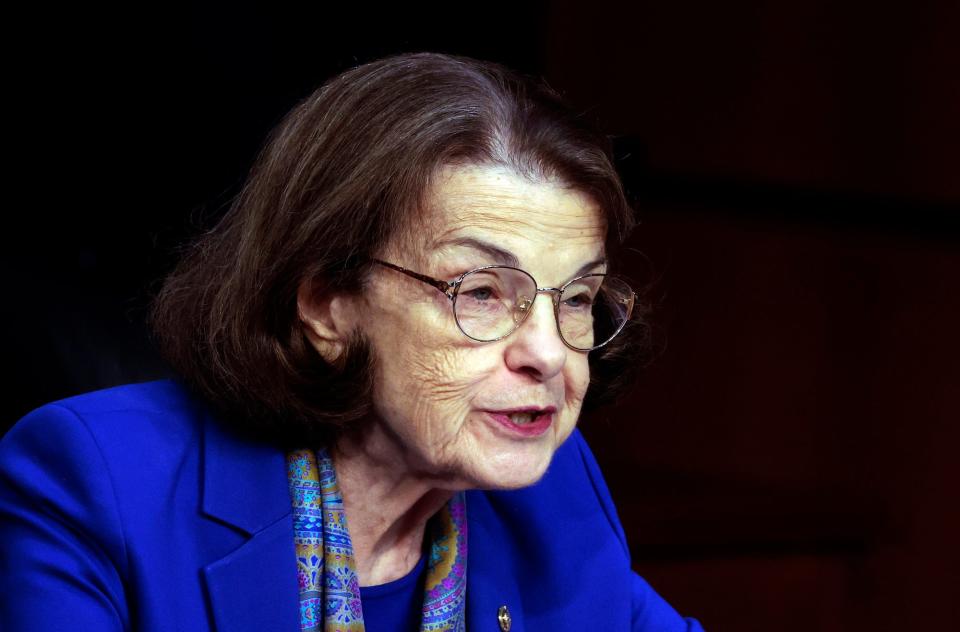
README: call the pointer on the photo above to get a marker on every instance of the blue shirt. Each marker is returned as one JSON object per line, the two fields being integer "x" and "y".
{"x": 396, "y": 605}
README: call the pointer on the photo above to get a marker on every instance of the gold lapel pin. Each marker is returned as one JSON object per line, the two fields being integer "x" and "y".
{"x": 503, "y": 616}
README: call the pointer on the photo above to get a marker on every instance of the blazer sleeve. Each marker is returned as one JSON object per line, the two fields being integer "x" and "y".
{"x": 62, "y": 556}
{"x": 650, "y": 612}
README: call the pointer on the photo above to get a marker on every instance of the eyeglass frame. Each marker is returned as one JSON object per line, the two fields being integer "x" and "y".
{"x": 450, "y": 289}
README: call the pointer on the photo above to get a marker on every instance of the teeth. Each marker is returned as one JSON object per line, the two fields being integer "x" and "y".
{"x": 521, "y": 418}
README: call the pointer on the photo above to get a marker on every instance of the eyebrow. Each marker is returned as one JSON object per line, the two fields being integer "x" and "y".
{"x": 498, "y": 255}
{"x": 507, "y": 258}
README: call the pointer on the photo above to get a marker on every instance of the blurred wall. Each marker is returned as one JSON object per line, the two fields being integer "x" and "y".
{"x": 787, "y": 460}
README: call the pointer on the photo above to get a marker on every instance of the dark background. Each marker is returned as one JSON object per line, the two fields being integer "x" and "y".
{"x": 788, "y": 462}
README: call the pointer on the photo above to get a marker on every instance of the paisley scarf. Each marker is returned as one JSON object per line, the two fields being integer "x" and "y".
{"x": 326, "y": 571}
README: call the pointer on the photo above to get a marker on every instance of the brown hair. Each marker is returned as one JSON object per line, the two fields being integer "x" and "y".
{"x": 345, "y": 170}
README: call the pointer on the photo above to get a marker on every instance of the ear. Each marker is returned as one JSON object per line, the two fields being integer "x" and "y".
{"x": 329, "y": 318}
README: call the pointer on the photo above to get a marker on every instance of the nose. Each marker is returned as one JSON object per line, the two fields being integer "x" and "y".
{"x": 535, "y": 347}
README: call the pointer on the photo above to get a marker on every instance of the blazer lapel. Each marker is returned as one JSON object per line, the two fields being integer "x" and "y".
{"x": 492, "y": 579}
{"x": 245, "y": 487}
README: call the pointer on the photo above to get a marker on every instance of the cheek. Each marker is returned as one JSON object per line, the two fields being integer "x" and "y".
{"x": 427, "y": 383}
{"x": 439, "y": 375}
{"x": 577, "y": 381}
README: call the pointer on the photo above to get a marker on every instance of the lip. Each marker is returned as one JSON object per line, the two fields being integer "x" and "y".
{"x": 540, "y": 424}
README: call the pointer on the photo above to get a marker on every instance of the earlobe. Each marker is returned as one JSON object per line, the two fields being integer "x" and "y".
{"x": 328, "y": 319}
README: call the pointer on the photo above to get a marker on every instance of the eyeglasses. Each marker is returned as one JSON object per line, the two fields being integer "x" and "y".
{"x": 491, "y": 302}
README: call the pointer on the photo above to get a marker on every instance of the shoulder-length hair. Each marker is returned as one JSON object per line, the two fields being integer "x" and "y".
{"x": 346, "y": 170}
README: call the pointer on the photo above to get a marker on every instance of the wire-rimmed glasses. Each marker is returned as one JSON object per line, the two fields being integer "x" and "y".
{"x": 491, "y": 302}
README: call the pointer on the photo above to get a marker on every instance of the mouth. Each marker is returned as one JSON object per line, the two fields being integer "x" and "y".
{"x": 523, "y": 422}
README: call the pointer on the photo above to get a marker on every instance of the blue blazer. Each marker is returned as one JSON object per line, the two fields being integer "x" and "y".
{"x": 133, "y": 509}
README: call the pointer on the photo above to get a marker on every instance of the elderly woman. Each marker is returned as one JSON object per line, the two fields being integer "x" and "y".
{"x": 383, "y": 350}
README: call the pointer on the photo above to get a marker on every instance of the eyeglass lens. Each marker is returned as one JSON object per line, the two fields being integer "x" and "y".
{"x": 492, "y": 302}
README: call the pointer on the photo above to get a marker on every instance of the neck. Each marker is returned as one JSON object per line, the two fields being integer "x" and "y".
{"x": 387, "y": 505}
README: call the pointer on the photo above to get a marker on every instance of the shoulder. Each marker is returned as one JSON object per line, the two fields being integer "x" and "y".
{"x": 572, "y": 487}
{"x": 110, "y": 448}
{"x": 100, "y": 500}
{"x": 559, "y": 542}
{"x": 65, "y": 470}
{"x": 558, "y": 549}
{"x": 161, "y": 397}
{"x": 576, "y": 466}
{"x": 122, "y": 416}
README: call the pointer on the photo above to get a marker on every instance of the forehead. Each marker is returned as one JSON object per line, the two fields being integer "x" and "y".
{"x": 529, "y": 217}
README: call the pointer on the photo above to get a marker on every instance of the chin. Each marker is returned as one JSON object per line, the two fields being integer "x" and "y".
{"x": 512, "y": 471}
{"x": 516, "y": 483}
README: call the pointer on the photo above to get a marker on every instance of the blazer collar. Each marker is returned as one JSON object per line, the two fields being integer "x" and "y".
{"x": 492, "y": 577}
{"x": 254, "y": 587}
{"x": 244, "y": 482}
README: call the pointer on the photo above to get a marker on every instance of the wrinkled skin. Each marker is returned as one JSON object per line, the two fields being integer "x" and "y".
{"x": 433, "y": 384}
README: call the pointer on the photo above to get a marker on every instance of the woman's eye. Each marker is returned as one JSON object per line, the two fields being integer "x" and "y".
{"x": 480, "y": 293}
{"x": 578, "y": 301}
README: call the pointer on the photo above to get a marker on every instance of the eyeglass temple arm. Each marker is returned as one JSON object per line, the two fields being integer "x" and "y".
{"x": 443, "y": 286}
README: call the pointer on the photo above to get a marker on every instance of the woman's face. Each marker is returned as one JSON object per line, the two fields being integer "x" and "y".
{"x": 471, "y": 414}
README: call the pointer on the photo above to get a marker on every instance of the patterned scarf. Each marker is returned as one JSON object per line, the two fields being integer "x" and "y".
{"x": 327, "y": 574}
